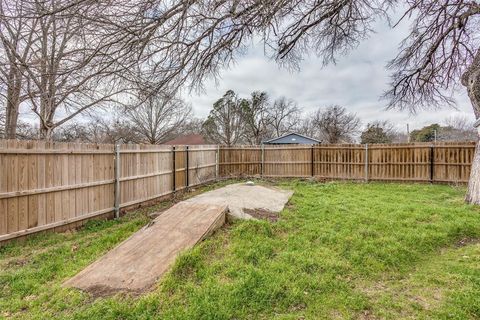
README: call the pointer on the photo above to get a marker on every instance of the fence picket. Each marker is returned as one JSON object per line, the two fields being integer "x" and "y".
{"x": 45, "y": 185}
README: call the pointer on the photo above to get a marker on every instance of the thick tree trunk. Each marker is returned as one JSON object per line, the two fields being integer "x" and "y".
{"x": 11, "y": 123}
{"x": 471, "y": 80}
{"x": 46, "y": 133}
{"x": 473, "y": 191}
{"x": 13, "y": 103}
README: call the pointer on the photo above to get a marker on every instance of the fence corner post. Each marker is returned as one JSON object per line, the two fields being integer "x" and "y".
{"x": 366, "y": 162}
{"x": 187, "y": 165}
{"x": 217, "y": 162}
{"x": 262, "y": 164}
{"x": 116, "y": 168}
{"x": 174, "y": 173}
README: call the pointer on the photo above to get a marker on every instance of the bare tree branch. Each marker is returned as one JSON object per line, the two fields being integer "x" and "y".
{"x": 437, "y": 53}
{"x": 159, "y": 117}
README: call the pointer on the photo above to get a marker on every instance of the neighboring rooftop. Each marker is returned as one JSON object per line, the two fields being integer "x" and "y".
{"x": 191, "y": 139}
{"x": 292, "y": 138}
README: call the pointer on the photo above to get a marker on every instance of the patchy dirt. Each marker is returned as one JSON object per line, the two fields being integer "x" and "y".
{"x": 466, "y": 241}
{"x": 98, "y": 291}
{"x": 366, "y": 315}
{"x": 263, "y": 214}
{"x": 18, "y": 263}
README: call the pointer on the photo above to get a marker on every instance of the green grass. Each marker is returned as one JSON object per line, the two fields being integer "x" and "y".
{"x": 339, "y": 251}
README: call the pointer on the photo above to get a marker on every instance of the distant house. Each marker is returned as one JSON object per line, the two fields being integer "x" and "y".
{"x": 189, "y": 140}
{"x": 292, "y": 138}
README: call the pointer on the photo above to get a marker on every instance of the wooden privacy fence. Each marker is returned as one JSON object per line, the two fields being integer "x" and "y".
{"x": 422, "y": 162}
{"x": 57, "y": 185}
{"x": 51, "y": 185}
{"x": 149, "y": 172}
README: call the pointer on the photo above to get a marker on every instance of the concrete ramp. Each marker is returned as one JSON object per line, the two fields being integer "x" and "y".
{"x": 138, "y": 262}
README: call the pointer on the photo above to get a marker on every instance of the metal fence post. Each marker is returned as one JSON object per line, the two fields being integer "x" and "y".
{"x": 313, "y": 163}
{"x": 217, "y": 162}
{"x": 262, "y": 165}
{"x": 174, "y": 173}
{"x": 366, "y": 162}
{"x": 186, "y": 167}
{"x": 117, "y": 181}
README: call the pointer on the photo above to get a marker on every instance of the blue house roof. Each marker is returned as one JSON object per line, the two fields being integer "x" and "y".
{"x": 292, "y": 138}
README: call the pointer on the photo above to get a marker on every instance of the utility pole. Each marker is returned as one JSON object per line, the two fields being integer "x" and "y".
{"x": 408, "y": 133}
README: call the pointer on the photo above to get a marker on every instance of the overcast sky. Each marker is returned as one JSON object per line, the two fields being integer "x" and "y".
{"x": 356, "y": 82}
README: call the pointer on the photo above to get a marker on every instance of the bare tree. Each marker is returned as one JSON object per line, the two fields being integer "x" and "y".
{"x": 400, "y": 137}
{"x": 284, "y": 116}
{"x": 191, "y": 126}
{"x": 441, "y": 53}
{"x": 26, "y": 131}
{"x": 378, "y": 132}
{"x": 76, "y": 132}
{"x": 116, "y": 130}
{"x": 335, "y": 124}
{"x": 16, "y": 38}
{"x": 458, "y": 128}
{"x": 224, "y": 123}
{"x": 72, "y": 65}
{"x": 58, "y": 61}
{"x": 461, "y": 123}
{"x": 107, "y": 129}
{"x": 2, "y": 122}
{"x": 307, "y": 127}
{"x": 255, "y": 116}
{"x": 158, "y": 117}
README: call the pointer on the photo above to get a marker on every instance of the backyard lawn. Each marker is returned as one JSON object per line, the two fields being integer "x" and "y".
{"x": 338, "y": 251}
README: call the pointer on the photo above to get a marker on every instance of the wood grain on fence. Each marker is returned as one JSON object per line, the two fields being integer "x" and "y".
{"x": 400, "y": 162}
{"x": 240, "y": 161}
{"x": 47, "y": 185}
{"x": 339, "y": 162}
{"x": 145, "y": 173}
{"x": 416, "y": 162}
{"x": 53, "y": 185}
{"x": 452, "y": 162}
{"x": 202, "y": 162}
{"x": 282, "y": 161}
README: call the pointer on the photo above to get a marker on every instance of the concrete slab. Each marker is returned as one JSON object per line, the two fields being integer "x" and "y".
{"x": 138, "y": 262}
{"x": 241, "y": 199}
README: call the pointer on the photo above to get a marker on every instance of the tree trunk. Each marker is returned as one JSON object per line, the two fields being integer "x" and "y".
{"x": 12, "y": 103}
{"x": 471, "y": 80}
{"x": 46, "y": 133}
{"x": 11, "y": 120}
{"x": 46, "y": 124}
{"x": 473, "y": 191}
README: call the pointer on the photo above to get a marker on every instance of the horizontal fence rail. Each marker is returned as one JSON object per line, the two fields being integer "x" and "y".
{"x": 55, "y": 186}
{"x": 47, "y": 186}
{"x": 416, "y": 162}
